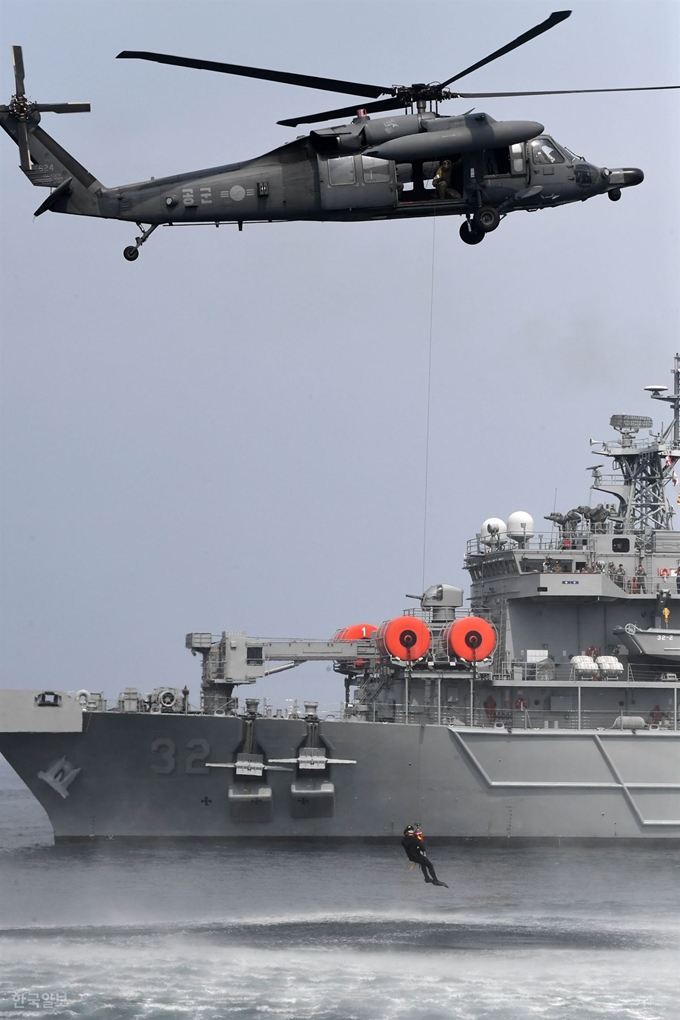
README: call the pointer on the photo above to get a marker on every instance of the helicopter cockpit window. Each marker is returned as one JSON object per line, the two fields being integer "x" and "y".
{"x": 376, "y": 171}
{"x": 543, "y": 152}
{"x": 573, "y": 157}
{"x": 341, "y": 170}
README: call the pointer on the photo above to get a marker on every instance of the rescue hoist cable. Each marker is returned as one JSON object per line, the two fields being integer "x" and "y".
{"x": 429, "y": 392}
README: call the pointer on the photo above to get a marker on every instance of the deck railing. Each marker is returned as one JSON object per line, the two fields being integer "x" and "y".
{"x": 522, "y": 715}
{"x": 517, "y": 718}
{"x": 549, "y": 672}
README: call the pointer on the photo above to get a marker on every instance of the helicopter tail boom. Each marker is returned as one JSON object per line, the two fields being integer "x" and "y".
{"x": 51, "y": 166}
{"x": 44, "y": 161}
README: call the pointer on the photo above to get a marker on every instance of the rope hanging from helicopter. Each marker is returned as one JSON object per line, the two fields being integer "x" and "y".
{"x": 428, "y": 400}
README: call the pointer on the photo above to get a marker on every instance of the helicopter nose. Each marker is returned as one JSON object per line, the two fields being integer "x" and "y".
{"x": 632, "y": 176}
{"x": 625, "y": 177}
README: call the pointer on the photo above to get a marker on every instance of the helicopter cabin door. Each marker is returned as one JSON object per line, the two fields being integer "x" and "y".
{"x": 357, "y": 182}
{"x": 503, "y": 168}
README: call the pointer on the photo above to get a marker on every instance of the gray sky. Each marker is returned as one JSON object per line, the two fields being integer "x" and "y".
{"x": 230, "y": 432}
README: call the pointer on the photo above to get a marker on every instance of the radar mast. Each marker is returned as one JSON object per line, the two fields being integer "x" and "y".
{"x": 646, "y": 465}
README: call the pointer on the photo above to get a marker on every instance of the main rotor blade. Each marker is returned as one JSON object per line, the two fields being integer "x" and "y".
{"x": 559, "y": 92}
{"x": 555, "y": 18}
{"x": 62, "y": 107}
{"x": 347, "y": 111}
{"x": 18, "y": 61}
{"x": 308, "y": 81}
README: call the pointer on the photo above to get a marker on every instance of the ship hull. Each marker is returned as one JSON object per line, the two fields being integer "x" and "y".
{"x": 142, "y": 776}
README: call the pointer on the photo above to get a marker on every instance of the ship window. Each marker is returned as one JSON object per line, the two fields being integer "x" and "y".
{"x": 376, "y": 171}
{"x": 341, "y": 170}
{"x": 543, "y": 152}
{"x": 254, "y": 655}
{"x": 620, "y": 545}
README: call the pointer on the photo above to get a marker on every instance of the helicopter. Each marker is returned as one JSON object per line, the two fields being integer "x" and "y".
{"x": 420, "y": 163}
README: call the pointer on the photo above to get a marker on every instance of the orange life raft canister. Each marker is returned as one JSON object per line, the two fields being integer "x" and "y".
{"x": 471, "y": 638}
{"x": 405, "y": 638}
{"x": 355, "y": 632}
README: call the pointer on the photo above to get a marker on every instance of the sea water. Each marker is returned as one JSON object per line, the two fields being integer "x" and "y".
{"x": 297, "y": 931}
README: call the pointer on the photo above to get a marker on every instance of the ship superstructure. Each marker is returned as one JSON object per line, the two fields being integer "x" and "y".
{"x": 548, "y": 709}
{"x": 602, "y": 573}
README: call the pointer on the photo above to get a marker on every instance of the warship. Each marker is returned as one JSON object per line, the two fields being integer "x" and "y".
{"x": 547, "y": 710}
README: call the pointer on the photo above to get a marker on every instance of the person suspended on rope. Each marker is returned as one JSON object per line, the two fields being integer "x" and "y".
{"x": 414, "y": 846}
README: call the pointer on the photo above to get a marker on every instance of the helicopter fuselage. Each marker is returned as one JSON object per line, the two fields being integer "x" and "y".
{"x": 342, "y": 174}
{"x": 418, "y": 163}
{"x": 367, "y": 170}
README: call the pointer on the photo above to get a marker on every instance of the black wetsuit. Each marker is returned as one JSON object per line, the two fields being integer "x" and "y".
{"x": 415, "y": 851}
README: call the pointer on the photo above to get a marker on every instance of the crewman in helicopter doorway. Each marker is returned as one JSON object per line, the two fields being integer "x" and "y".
{"x": 414, "y": 845}
{"x": 442, "y": 178}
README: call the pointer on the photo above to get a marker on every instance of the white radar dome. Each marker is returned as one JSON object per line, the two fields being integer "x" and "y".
{"x": 493, "y": 531}
{"x": 520, "y": 525}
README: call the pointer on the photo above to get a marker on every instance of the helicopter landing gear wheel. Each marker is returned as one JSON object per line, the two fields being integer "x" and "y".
{"x": 614, "y": 195}
{"x": 486, "y": 218}
{"x": 470, "y": 233}
{"x": 132, "y": 251}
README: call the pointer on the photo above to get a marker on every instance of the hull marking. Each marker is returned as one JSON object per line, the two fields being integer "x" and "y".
{"x": 59, "y": 776}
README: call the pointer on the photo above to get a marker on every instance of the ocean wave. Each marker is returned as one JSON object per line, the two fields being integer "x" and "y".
{"x": 205, "y": 979}
{"x": 373, "y": 932}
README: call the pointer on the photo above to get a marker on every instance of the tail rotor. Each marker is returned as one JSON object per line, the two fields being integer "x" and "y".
{"x": 22, "y": 110}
